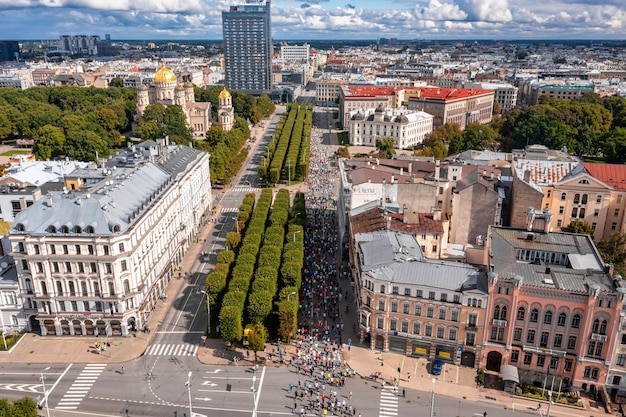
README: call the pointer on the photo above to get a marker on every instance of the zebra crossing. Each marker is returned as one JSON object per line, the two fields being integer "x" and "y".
{"x": 81, "y": 386}
{"x": 388, "y": 402}
{"x": 230, "y": 210}
{"x": 175, "y": 349}
{"x": 245, "y": 189}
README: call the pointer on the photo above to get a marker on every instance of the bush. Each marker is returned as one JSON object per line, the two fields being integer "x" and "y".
{"x": 225, "y": 257}
{"x": 259, "y": 306}
{"x": 231, "y": 327}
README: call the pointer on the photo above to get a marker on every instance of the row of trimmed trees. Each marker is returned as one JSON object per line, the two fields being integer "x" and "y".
{"x": 264, "y": 283}
{"x": 233, "y": 302}
{"x": 288, "y": 151}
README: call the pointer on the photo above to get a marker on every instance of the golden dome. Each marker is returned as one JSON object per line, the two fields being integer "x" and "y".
{"x": 224, "y": 93}
{"x": 164, "y": 75}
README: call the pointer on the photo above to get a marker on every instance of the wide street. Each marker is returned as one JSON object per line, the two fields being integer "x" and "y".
{"x": 169, "y": 380}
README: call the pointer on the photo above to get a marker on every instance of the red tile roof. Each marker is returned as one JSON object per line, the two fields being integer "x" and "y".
{"x": 358, "y": 90}
{"x": 613, "y": 175}
{"x": 449, "y": 94}
{"x": 373, "y": 219}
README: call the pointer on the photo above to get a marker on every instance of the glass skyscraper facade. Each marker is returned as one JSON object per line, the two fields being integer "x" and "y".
{"x": 248, "y": 47}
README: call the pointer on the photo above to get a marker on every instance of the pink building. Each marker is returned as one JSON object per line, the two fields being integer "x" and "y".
{"x": 554, "y": 308}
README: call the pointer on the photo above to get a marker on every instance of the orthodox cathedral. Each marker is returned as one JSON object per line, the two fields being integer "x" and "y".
{"x": 166, "y": 90}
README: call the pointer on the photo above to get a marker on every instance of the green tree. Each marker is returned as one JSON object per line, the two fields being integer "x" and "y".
{"x": 577, "y": 226}
{"x": 386, "y": 147}
{"x": 116, "y": 82}
{"x": 49, "y": 142}
{"x": 257, "y": 338}
{"x": 176, "y": 124}
{"x": 231, "y": 328}
{"x": 84, "y": 144}
{"x": 479, "y": 137}
{"x": 613, "y": 251}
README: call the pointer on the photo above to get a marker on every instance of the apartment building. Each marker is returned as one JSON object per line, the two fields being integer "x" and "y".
{"x": 421, "y": 307}
{"x": 553, "y": 308}
{"x": 95, "y": 258}
{"x": 504, "y": 94}
{"x": 451, "y": 105}
{"x": 360, "y": 96}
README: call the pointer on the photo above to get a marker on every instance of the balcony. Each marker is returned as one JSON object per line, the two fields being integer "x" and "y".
{"x": 471, "y": 326}
{"x": 499, "y": 323}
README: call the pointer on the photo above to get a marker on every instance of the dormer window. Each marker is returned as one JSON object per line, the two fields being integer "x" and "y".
{"x": 65, "y": 229}
{"x": 52, "y": 229}
{"x": 20, "y": 227}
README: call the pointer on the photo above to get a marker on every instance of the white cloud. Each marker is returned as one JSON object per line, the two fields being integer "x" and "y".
{"x": 436, "y": 10}
{"x": 487, "y": 10}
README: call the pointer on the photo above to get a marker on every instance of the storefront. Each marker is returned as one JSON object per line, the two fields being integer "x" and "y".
{"x": 397, "y": 344}
{"x": 445, "y": 353}
{"x": 420, "y": 349}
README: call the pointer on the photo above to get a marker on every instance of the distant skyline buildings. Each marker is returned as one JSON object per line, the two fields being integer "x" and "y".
{"x": 248, "y": 46}
{"x": 322, "y": 20}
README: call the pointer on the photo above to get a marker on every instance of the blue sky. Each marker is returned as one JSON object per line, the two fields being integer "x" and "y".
{"x": 320, "y": 19}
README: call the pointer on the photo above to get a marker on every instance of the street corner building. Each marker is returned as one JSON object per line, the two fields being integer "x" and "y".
{"x": 94, "y": 258}
{"x": 554, "y": 309}
{"x": 418, "y": 306}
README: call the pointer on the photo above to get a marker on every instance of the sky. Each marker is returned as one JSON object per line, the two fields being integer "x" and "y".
{"x": 320, "y": 19}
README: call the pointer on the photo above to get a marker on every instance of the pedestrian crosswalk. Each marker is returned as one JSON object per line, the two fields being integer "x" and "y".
{"x": 388, "y": 401}
{"x": 229, "y": 210}
{"x": 81, "y": 386}
{"x": 175, "y": 349}
{"x": 245, "y": 189}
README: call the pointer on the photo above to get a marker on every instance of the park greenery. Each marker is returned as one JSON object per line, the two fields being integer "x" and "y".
{"x": 85, "y": 123}
{"x": 287, "y": 154}
{"x": 24, "y": 407}
{"x": 589, "y": 126}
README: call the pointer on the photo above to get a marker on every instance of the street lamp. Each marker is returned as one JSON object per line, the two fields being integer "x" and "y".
{"x": 549, "y": 403}
{"x": 208, "y": 312}
{"x": 253, "y": 389}
{"x": 45, "y": 393}
{"x": 294, "y": 234}
{"x": 432, "y": 400}
{"x": 290, "y": 294}
{"x": 188, "y": 385}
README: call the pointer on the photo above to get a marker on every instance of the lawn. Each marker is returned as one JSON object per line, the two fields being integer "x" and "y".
{"x": 17, "y": 152}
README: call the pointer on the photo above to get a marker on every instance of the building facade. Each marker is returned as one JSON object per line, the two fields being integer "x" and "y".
{"x": 416, "y": 306}
{"x": 295, "y": 53}
{"x": 9, "y": 51}
{"x": 166, "y": 89}
{"x": 407, "y": 128}
{"x": 248, "y": 47}
{"x": 554, "y": 309}
{"x": 95, "y": 259}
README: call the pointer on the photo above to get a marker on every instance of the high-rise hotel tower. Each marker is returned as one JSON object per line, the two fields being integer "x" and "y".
{"x": 248, "y": 47}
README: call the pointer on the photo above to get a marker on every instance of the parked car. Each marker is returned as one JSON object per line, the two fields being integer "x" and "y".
{"x": 436, "y": 367}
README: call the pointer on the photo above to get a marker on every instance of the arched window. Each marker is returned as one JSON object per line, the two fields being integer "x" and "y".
{"x": 584, "y": 199}
{"x": 596, "y": 326}
{"x": 503, "y": 313}
{"x": 574, "y": 211}
{"x": 77, "y": 229}
{"x": 65, "y": 229}
{"x": 72, "y": 290}
{"x": 521, "y": 313}
{"x": 52, "y": 229}
{"x": 89, "y": 229}
{"x": 126, "y": 286}
{"x": 20, "y": 227}
{"x": 576, "y": 321}
{"x": 59, "y": 285}
{"x": 603, "y": 326}
{"x": 561, "y": 320}
{"x": 563, "y": 196}
{"x": 116, "y": 228}
{"x": 547, "y": 317}
{"x": 111, "y": 288}
{"x": 576, "y": 198}
{"x": 496, "y": 312}
{"x": 83, "y": 289}
{"x": 581, "y": 214}
{"x": 534, "y": 315}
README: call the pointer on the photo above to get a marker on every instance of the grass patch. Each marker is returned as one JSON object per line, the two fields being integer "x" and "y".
{"x": 16, "y": 152}
{"x": 11, "y": 340}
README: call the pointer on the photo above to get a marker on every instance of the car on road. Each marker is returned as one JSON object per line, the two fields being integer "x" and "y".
{"x": 436, "y": 367}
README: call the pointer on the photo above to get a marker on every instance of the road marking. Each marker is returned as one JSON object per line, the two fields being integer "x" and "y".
{"x": 81, "y": 386}
{"x": 180, "y": 332}
{"x": 388, "y": 402}
{"x": 229, "y": 210}
{"x": 23, "y": 388}
{"x": 176, "y": 349}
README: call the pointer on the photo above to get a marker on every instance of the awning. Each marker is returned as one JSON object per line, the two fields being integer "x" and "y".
{"x": 509, "y": 373}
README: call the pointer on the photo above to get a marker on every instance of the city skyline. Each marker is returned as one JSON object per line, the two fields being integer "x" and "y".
{"x": 319, "y": 19}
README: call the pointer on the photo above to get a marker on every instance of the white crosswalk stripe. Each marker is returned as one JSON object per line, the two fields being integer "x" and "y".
{"x": 388, "y": 402}
{"x": 81, "y": 386}
{"x": 246, "y": 189}
{"x": 176, "y": 349}
{"x": 230, "y": 210}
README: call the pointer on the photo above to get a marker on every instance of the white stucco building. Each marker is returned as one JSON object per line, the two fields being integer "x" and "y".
{"x": 95, "y": 258}
{"x": 407, "y": 127}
